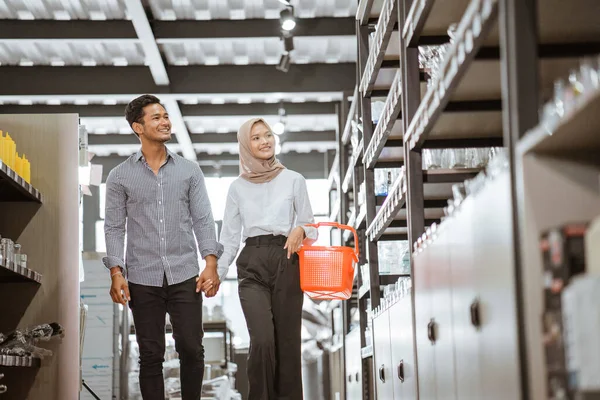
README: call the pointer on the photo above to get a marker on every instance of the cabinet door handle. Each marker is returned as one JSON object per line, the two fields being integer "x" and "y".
{"x": 3, "y": 389}
{"x": 382, "y": 373}
{"x": 474, "y": 310}
{"x": 357, "y": 377}
{"x": 350, "y": 378}
{"x": 431, "y": 331}
{"x": 401, "y": 371}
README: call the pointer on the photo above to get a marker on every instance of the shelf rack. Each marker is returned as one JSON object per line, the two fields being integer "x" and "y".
{"x": 14, "y": 188}
{"x": 11, "y": 273}
{"x": 20, "y": 361}
{"x": 501, "y": 62}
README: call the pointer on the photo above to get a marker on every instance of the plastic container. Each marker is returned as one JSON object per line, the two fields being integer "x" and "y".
{"x": 327, "y": 272}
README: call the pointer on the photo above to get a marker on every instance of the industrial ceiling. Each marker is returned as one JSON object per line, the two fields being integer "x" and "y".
{"x": 212, "y": 63}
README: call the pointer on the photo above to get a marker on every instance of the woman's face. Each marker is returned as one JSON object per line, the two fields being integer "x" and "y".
{"x": 262, "y": 142}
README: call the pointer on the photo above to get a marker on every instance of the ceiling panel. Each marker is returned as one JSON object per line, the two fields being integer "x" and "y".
{"x": 316, "y": 49}
{"x": 247, "y": 9}
{"x": 63, "y": 10}
{"x": 62, "y": 53}
{"x": 218, "y": 124}
{"x": 212, "y": 148}
{"x": 294, "y": 123}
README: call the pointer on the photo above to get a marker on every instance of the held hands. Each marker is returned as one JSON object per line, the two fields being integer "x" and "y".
{"x": 294, "y": 241}
{"x": 209, "y": 281}
{"x": 119, "y": 289}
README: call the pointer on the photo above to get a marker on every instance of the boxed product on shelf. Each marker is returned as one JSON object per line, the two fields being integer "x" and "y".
{"x": 384, "y": 179}
{"x": 394, "y": 257}
{"x": 581, "y": 321}
{"x": 592, "y": 247}
{"x": 9, "y": 156}
{"x": 376, "y": 110}
{"x": 457, "y": 158}
{"x": 563, "y": 255}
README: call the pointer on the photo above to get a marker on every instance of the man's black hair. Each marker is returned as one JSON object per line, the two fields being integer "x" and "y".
{"x": 134, "y": 112}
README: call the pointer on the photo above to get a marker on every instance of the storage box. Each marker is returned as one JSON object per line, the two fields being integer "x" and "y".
{"x": 581, "y": 321}
{"x": 563, "y": 259}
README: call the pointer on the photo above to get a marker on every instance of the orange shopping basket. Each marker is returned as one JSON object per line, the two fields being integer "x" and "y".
{"x": 327, "y": 272}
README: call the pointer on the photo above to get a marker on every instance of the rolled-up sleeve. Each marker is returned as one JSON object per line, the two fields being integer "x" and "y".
{"x": 203, "y": 222}
{"x": 304, "y": 213}
{"x": 114, "y": 222}
{"x": 231, "y": 235}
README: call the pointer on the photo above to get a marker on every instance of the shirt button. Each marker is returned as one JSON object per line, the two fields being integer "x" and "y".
{"x": 162, "y": 238}
{"x": 161, "y": 221}
{"x": 160, "y": 202}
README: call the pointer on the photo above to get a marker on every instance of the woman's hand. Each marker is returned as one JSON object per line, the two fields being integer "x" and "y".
{"x": 294, "y": 241}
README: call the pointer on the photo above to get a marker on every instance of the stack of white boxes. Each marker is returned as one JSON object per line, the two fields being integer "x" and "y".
{"x": 97, "y": 357}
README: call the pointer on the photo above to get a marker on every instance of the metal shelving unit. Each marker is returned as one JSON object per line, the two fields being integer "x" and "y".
{"x": 501, "y": 62}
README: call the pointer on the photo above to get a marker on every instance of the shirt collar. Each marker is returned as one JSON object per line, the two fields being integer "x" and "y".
{"x": 139, "y": 155}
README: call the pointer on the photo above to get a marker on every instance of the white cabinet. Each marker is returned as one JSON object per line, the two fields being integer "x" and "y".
{"x": 442, "y": 331}
{"x": 403, "y": 350}
{"x": 383, "y": 357}
{"x": 465, "y": 305}
{"x": 353, "y": 366}
{"x": 494, "y": 263}
{"x": 424, "y": 324}
{"x": 465, "y": 302}
{"x": 433, "y": 307}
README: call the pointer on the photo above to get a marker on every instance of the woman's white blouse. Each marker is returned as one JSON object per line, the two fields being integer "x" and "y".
{"x": 271, "y": 208}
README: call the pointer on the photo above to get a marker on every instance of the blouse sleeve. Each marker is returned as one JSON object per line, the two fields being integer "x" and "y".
{"x": 231, "y": 235}
{"x": 304, "y": 213}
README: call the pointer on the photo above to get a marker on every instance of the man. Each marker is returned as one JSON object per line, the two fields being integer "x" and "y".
{"x": 159, "y": 200}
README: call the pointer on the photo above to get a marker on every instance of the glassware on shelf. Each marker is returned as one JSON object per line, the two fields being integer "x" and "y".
{"x": 478, "y": 157}
{"x": 377, "y": 108}
{"x": 17, "y": 256}
{"x": 393, "y": 257}
{"x": 458, "y": 158}
{"x": 459, "y": 193}
{"x": 432, "y": 158}
{"x": 7, "y": 250}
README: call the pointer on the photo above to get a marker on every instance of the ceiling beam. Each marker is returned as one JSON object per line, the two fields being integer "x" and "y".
{"x": 169, "y": 30}
{"x": 93, "y": 110}
{"x": 311, "y": 165}
{"x": 140, "y": 22}
{"x": 158, "y": 70}
{"x": 120, "y": 139}
{"x": 221, "y": 79}
{"x": 44, "y": 29}
{"x": 202, "y": 110}
{"x": 213, "y": 29}
{"x": 188, "y": 110}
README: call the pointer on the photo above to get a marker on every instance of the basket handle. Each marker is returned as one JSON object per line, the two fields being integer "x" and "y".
{"x": 340, "y": 226}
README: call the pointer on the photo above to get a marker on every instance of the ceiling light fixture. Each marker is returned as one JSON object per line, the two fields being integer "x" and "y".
{"x": 279, "y": 128}
{"x": 284, "y": 62}
{"x": 286, "y": 18}
{"x": 288, "y": 44}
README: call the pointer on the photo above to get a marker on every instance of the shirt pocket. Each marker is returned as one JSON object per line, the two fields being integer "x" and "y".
{"x": 282, "y": 211}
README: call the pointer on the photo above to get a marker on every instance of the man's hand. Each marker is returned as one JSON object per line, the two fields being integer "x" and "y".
{"x": 294, "y": 241}
{"x": 119, "y": 289}
{"x": 208, "y": 281}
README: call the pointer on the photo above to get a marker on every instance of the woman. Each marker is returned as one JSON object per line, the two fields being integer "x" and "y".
{"x": 268, "y": 206}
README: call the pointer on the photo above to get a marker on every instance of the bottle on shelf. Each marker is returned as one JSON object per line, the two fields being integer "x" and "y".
{"x": 17, "y": 256}
{"x": 9, "y": 156}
